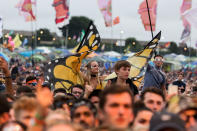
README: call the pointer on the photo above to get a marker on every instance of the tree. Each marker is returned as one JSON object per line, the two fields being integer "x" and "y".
{"x": 75, "y": 26}
{"x": 44, "y": 35}
{"x": 134, "y": 45}
{"x": 174, "y": 48}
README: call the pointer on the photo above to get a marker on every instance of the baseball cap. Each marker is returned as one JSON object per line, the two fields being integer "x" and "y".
{"x": 166, "y": 120}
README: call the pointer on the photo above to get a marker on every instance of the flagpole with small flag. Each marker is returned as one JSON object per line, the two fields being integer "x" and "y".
{"x": 1, "y": 31}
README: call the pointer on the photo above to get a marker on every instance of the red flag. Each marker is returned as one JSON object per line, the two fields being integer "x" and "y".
{"x": 25, "y": 8}
{"x": 167, "y": 44}
{"x": 116, "y": 20}
{"x": 143, "y": 11}
{"x": 62, "y": 10}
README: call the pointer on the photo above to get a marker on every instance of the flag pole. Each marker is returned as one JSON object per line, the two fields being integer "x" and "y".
{"x": 2, "y": 35}
{"x": 149, "y": 18}
{"x": 32, "y": 43}
{"x": 111, "y": 27}
{"x": 35, "y": 24}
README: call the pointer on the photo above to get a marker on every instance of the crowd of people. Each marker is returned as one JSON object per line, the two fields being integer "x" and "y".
{"x": 165, "y": 101}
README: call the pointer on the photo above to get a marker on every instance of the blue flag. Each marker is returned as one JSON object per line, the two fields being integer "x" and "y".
{"x": 24, "y": 42}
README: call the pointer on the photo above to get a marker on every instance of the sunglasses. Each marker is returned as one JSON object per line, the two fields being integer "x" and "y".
{"x": 33, "y": 84}
{"x": 188, "y": 116}
{"x": 158, "y": 59}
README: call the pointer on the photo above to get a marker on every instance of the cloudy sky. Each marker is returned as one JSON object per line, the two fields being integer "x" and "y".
{"x": 168, "y": 18}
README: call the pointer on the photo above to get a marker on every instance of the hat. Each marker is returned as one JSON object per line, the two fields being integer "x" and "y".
{"x": 165, "y": 120}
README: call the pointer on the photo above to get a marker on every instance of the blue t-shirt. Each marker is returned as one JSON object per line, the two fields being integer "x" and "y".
{"x": 154, "y": 77}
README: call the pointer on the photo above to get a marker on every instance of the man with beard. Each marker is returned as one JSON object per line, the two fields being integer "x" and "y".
{"x": 84, "y": 113}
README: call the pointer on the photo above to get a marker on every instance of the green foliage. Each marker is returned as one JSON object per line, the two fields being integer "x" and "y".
{"x": 133, "y": 44}
{"x": 174, "y": 48}
{"x": 75, "y": 26}
{"x": 44, "y": 35}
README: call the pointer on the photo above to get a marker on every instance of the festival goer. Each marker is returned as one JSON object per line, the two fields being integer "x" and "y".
{"x": 92, "y": 75}
{"x": 77, "y": 91}
{"x": 153, "y": 99}
{"x": 165, "y": 121}
{"x": 4, "y": 109}
{"x": 142, "y": 117}
{"x": 122, "y": 69}
{"x": 84, "y": 113}
{"x": 94, "y": 98}
{"x": 13, "y": 126}
{"x": 31, "y": 81}
{"x": 7, "y": 75}
{"x": 180, "y": 83}
{"x": 154, "y": 76}
{"x": 25, "y": 110}
{"x": 23, "y": 90}
{"x": 116, "y": 104}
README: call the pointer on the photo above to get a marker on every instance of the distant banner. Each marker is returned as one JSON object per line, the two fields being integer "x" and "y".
{"x": 143, "y": 11}
{"x": 17, "y": 41}
{"x": 191, "y": 16}
{"x": 185, "y": 34}
{"x": 1, "y": 27}
{"x": 186, "y": 5}
{"x": 106, "y": 10}
{"x": 62, "y": 10}
{"x": 116, "y": 20}
{"x": 25, "y": 8}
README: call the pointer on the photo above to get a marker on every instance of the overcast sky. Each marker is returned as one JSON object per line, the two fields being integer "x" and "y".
{"x": 168, "y": 18}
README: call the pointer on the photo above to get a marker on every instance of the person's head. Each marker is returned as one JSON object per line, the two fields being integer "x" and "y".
{"x": 21, "y": 81}
{"x": 59, "y": 91}
{"x": 61, "y": 102}
{"x": 57, "y": 115}
{"x": 77, "y": 91}
{"x": 4, "y": 109}
{"x": 116, "y": 105}
{"x": 61, "y": 125}
{"x": 153, "y": 98}
{"x": 23, "y": 90}
{"x": 158, "y": 60}
{"x": 93, "y": 67}
{"x": 165, "y": 121}
{"x": 188, "y": 111}
{"x": 189, "y": 116}
{"x": 84, "y": 112}
{"x": 142, "y": 115}
{"x": 31, "y": 81}
{"x": 122, "y": 69}
{"x": 94, "y": 97}
{"x": 180, "y": 76}
{"x": 25, "y": 109}
{"x": 13, "y": 126}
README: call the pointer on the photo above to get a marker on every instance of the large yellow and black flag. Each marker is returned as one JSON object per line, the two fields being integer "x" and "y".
{"x": 139, "y": 61}
{"x": 65, "y": 72}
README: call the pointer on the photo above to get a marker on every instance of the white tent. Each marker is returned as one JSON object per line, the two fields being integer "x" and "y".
{"x": 112, "y": 54}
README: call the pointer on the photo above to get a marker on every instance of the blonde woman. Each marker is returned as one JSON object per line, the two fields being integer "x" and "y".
{"x": 91, "y": 77}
